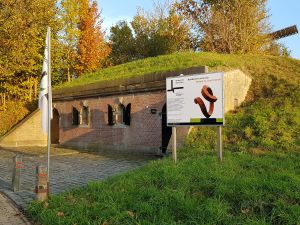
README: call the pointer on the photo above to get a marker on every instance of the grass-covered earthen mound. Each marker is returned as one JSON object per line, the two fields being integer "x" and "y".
{"x": 258, "y": 182}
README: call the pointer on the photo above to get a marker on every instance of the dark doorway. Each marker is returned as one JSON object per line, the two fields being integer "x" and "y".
{"x": 55, "y": 127}
{"x": 166, "y": 131}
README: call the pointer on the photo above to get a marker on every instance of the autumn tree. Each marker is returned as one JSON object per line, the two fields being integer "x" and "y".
{"x": 69, "y": 17}
{"x": 23, "y": 26}
{"x": 228, "y": 26}
{"x": 162, "y": 31}
{"x": 92, "y": 48}
{"x": 122, "y": 43}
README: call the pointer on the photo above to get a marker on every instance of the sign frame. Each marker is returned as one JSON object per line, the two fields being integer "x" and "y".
{"x": 203, "y": 120}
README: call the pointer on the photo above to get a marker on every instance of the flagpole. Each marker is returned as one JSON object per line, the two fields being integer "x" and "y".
{"x": 49, "y": 103}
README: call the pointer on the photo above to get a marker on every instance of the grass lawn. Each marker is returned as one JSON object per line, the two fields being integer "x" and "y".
{"x": 258, "y": 182}
{"x": 246, "y": 188}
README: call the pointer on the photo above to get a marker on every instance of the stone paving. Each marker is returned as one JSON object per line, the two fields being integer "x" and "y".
{"x": 66, "y": 171}
{"x": 9, "y": 214}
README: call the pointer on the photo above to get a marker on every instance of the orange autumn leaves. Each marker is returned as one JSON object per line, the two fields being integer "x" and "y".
{"x": 92, "y": 48}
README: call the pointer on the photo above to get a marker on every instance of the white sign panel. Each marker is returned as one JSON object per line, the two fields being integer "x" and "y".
{"x": 195, "y": 100}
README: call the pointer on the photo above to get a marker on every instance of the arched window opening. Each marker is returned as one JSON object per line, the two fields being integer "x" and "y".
{"x": 75, "y": 117}
{"x": 119, "y": 114}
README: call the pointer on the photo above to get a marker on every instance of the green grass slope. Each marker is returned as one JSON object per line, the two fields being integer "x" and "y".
{"x": 248, "y": 63}
{"x": 258, "y": 182}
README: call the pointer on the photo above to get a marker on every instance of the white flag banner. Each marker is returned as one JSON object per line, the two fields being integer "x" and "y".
{"x": 44, "y": 97}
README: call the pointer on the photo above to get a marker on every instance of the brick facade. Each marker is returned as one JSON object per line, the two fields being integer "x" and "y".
{"x": 145, "y": 131}
{"x": 143, "y": 134}
{"x": 146, "y": 94}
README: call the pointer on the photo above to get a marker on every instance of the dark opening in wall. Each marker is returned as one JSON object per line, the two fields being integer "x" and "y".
{"x": 75, "y": 117}
{"x": 126, "y": 115}
{"x": 110, "y": 115}
{"x": 55, "y": 127}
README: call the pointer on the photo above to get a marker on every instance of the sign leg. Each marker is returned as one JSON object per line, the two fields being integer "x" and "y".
{"x": 220, "y": 150}
{"x": 174, "y": 145}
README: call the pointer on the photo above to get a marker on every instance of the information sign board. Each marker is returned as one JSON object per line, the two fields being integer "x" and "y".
{"x": 195, "y": 100}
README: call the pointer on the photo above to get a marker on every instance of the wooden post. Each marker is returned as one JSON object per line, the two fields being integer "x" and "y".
{"x": 174, "y": 145}
{"x": 16, "y": 177}
{"x": 41, "y": 188}
{"x": 219, "y": 143}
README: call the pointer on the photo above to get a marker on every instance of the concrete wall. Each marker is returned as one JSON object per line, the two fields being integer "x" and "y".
{"x": 26, "y": 133}
{"x": 236, "y": 86}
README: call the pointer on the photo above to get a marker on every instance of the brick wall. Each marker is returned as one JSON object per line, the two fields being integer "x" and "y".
{"x": 143, "y": 134}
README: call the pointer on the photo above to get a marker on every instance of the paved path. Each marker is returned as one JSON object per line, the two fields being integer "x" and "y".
{"x": 9, "y": 214}
{"x": 66, "y": 171}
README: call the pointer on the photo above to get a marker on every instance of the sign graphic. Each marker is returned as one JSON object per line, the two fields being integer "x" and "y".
{"x": 195, "y": 100}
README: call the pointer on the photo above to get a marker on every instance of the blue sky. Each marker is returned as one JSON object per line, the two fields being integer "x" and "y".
{"x": 283, "y": 14}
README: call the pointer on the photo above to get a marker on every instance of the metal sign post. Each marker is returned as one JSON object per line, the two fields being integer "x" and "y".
{"x": 174, "y": 145}
{"x": 219, "y": 143}
{"x": 196, "y": 100}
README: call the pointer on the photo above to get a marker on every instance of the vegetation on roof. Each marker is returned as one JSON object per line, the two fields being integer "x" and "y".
{"x": 214, "y": 61}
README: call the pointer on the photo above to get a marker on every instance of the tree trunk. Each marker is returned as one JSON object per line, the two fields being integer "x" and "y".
{"x": 30, "y": 89}
{"x": 35, "y": 88}
{"x": 69, "y": 78}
